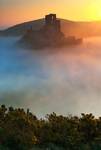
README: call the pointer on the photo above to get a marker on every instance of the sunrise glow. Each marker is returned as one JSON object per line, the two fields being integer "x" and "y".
{"x": 17, "y": 11}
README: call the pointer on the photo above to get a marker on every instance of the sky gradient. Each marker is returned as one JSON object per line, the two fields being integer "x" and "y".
{"x": 17, "y": 11}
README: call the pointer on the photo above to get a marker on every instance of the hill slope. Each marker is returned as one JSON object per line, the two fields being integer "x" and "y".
{"x": 20, "y": 29}
{"x": 79, "y": 29}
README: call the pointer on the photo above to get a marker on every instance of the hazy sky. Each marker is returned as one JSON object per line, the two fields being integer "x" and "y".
{"x": 16, "y": 11}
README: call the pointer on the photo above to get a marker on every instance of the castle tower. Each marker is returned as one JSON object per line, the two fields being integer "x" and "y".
{"x": 51, "y": 21}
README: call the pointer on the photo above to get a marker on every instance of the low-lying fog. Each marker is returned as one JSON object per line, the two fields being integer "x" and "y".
{"x": 66, "y": 81}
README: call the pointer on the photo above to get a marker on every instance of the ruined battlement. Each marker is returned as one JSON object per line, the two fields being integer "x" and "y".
{"x": 52, "y": 21}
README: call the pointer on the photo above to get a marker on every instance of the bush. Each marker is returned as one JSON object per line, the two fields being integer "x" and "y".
{"x": 27, "y": 132}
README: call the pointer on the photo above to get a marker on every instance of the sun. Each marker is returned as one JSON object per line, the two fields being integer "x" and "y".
{"x": 95, "y": 10}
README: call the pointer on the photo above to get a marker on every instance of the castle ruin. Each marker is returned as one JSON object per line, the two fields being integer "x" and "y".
{"x": 52, "y": 22}
{"x": 49, "y": 35}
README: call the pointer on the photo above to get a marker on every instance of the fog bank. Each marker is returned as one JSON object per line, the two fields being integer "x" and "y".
{"x": 66, "y": 81}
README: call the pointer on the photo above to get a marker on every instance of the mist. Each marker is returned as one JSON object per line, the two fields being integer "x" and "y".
{"x": 65, "y": 81}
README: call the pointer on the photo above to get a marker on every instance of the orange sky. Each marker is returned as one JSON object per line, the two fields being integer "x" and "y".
{"x": 17, "y": 11}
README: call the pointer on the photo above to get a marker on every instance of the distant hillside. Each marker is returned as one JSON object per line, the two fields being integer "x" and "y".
{"x": 79, "y": 29}
{"x": 20, "y": 29}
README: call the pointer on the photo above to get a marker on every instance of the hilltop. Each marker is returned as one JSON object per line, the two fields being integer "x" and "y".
{"x": 79, "y": 29}
{"x": 50, "y": 35}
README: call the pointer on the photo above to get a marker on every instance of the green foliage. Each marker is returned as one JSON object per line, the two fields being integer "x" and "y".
{"x": 27, "y": 132}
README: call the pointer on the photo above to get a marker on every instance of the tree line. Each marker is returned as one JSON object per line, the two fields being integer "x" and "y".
{"x": 22, "y": 130}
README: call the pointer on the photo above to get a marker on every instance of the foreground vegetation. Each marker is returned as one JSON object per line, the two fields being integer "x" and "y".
{"x": 20, "y": 130}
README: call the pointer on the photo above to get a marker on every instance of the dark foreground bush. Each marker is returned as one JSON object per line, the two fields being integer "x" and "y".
{"x": 20, "y": 130}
